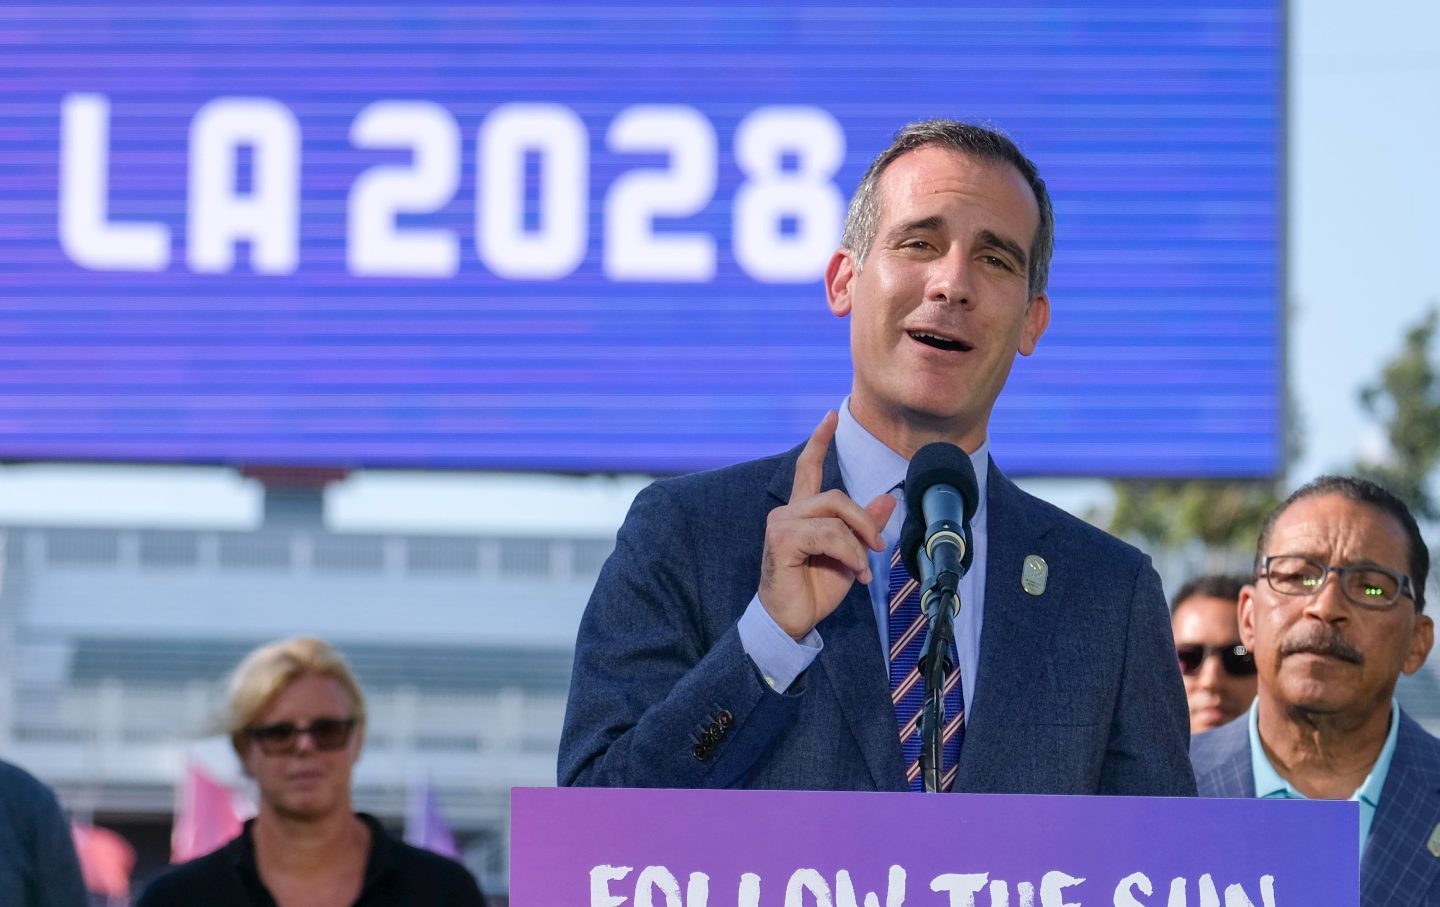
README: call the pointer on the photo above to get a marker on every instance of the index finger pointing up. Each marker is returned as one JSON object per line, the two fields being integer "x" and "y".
{"x": 810, "y": 467}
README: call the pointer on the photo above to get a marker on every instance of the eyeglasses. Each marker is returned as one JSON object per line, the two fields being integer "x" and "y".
{"x": 280, "y": 739}
{"x": 1237, "y": 660}
{"x": 1364, "y": 584}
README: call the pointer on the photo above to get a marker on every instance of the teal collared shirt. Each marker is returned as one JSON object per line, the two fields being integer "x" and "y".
{"x": 1270, "y": 786}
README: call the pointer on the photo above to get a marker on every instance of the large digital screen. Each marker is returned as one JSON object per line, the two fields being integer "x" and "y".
{"x": 591, "y": 237}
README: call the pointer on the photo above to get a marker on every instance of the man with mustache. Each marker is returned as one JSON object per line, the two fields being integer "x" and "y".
{"x": 1333, "y": 618}
{"x": 747, "y": 633}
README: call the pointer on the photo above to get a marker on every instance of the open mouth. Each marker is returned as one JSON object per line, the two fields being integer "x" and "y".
{"x": 939, "y": 342}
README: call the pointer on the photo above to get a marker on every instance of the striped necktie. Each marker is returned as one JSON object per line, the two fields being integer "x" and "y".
{"x": 907, "y": 691}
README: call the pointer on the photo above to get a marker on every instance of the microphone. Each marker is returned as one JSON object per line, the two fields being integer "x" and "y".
{"x": 941, "y": 496}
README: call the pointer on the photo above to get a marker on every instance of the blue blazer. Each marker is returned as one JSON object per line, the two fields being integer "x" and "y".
{"x": 1398, "y": 868}
{"x": 1078, "y": 689}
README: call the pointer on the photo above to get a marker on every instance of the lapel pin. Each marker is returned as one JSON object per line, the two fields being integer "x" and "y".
{"x": 1036, "y": 573}
{"x": 1434, "y": 843}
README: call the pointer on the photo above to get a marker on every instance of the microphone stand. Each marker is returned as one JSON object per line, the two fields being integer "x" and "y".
{"x": 940, "y": 602}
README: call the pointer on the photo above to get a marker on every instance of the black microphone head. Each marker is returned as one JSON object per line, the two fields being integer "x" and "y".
{"x": 939, "y": 463}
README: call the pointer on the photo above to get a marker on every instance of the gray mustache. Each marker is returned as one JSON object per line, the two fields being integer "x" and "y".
{"x": 1322, "y": 642}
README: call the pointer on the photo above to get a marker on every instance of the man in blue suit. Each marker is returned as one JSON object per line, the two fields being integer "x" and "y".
{"x": 741, "y": 635}
{"x": 1333, "y": 618}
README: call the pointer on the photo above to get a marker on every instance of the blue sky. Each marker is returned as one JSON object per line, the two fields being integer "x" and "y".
{"x": 1364, "y": 207}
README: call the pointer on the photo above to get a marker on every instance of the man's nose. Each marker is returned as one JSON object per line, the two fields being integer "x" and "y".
{"x": 950, "y": 278}
{"x": 1210, "y": 669}
{"x": 1328, "y": 603}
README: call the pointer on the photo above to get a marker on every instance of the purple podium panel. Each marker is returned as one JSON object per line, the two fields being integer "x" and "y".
{"x": 674, "y": 848}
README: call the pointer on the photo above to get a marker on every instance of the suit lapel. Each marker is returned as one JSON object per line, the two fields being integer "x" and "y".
{"x": 852, "y": 661}
{"x": 1398, "y": 869}
{"x": 1013, "y": 639}
{"x": 1221, "y": 758}
{"x": 1238, "y": 773}
{"x": 857, "y": 673}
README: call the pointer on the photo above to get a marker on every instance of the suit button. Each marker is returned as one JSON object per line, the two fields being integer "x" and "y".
{"x": 725, "y": 718}
{"x": 700, "y": 751}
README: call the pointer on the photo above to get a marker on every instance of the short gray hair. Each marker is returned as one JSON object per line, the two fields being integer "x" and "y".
{"x": 863, "y": 220}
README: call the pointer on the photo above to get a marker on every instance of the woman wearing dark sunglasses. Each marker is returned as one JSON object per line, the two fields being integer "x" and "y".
{"x": 1219, "y": 672}
{"x": 296, "y": 719}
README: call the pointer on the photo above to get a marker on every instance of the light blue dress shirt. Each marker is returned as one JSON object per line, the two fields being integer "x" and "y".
{"x": 870, "y": 469}
{"x": 1270, "y": 786}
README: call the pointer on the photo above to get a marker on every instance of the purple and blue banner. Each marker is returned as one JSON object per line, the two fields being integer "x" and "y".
{"x": 591, "y": 237}
{"x": 672, "y": 848}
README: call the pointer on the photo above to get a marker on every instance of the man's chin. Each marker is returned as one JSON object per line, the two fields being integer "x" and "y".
{"x": 1314, "y": 680}
{"x": 942, "y": 415}
{"x": 1314, "y": 701}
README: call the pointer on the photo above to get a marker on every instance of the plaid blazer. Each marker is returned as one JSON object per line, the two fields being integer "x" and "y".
{"x": 1401, "y": 865}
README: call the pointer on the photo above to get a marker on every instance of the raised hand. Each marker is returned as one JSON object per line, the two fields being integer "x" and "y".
{"x": 815, "y": 546}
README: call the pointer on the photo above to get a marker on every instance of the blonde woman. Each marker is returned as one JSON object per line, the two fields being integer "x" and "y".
{"x": 296, "y": 719}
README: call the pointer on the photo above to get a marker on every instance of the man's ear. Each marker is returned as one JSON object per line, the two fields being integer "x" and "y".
{"x": 1037, "y": 319}
{"x": 838, "y": 275}
{"x": 1246, "y": 607}
{"x": 1420, "y": 642}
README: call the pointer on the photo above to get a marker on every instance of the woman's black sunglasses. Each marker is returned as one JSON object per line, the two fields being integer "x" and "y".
{"x": 328, "y": 734}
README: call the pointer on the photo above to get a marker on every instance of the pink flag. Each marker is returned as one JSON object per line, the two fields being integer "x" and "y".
{"x": 106, "y": 860}
{"x": 424, "y": 826}
{"x": 205, "y": 816}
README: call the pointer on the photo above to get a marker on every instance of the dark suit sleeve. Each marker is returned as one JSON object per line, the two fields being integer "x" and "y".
{"x": 40, "y": 858}
{"x": 662, "y": 693}
{"x": 57, "y": 867}
{"x": 1148, "y": 751}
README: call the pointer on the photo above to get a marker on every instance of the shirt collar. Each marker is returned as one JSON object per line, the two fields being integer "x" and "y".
{"x": 1374, "y": 782}
{"x": 1268, "y": 782}
{"x": 869, "y": 468}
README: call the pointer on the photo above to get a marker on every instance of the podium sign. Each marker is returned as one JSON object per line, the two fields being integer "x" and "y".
{"x": 674, "y": 848}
